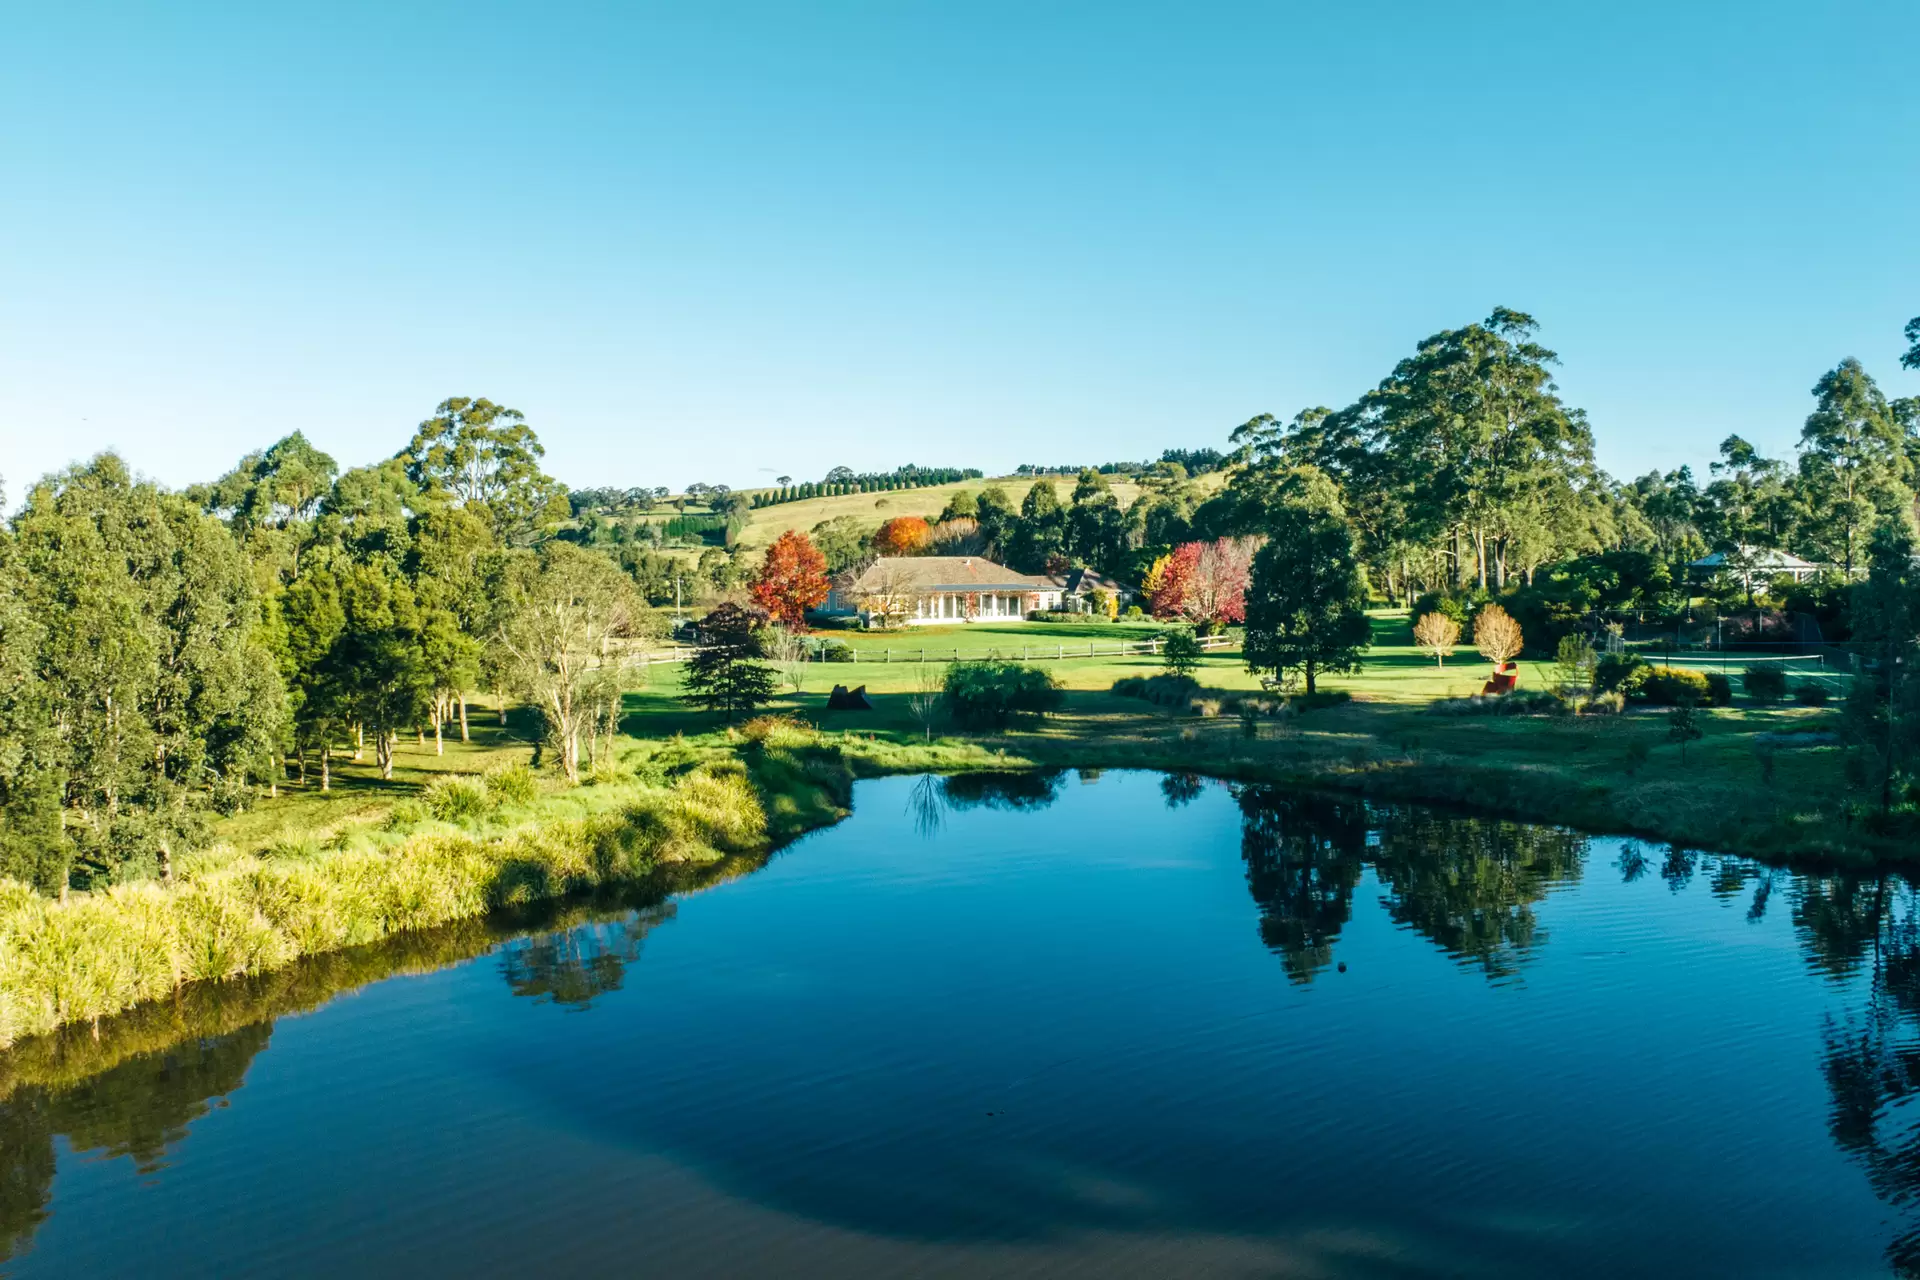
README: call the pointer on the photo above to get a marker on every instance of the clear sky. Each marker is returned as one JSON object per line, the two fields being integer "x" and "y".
{"x": 717, "y": 241}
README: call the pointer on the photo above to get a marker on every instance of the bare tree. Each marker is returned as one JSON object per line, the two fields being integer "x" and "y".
{"x": 1496, "y": 635}
{"x": 788, "y": 652}
{"x": 1437, "y": 634}
{"x": 924, "y": 702}
{"x": 891, "y": 598}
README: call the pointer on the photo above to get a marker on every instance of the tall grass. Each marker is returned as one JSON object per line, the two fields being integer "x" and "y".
{"x": 99, "y": 953}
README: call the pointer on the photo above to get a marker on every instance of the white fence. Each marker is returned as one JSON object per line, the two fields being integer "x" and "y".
{"x": 1025, "y": 651}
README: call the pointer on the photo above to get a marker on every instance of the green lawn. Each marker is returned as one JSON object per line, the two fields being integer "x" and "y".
{"x": 1619, "y": 771}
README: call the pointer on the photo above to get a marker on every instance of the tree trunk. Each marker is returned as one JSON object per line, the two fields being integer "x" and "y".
{"x": 462, "y": 696}
{"x": 326, "y": 766}
{"x": 500, "y": 697}
{"x": 1310, "y": 688}
{"x": 439, "y": 744}
{"x": 359, "y": 742}
{"x": 300, "y": 765}
{"x": 570, "y": 757}
{"x": 384, "y": 743}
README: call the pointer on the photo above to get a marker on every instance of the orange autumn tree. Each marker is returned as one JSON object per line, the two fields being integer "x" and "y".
{"x": 902, "y": 536}
{"x": 792, "y": 579}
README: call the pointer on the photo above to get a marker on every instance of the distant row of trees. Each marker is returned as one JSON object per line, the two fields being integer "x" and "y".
{"x": 844, "y": 480}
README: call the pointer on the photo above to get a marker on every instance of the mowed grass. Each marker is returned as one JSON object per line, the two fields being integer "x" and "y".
{"x": 358, "y": 792}
{"x": 1619, "y": 771}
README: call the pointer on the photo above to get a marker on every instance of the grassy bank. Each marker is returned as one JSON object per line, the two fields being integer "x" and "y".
{"x": 471, "y": 847}
{"x": 311, "y": 873}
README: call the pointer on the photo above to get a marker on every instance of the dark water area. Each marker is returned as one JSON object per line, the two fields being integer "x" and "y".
{"x": 1099, "y": 1025}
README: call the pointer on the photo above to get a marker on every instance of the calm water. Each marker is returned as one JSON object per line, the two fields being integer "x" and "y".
{"x": 1107, "y": 1025}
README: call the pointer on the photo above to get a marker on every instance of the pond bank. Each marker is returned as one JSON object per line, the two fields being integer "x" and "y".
{"x": 698, "y": 802}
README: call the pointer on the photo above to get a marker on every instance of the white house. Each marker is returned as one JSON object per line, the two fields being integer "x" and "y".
{"x": 1756, "y": 565}
{"x": 935, "y": 590}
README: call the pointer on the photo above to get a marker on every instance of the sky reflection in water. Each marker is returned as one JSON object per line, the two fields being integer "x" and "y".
{"x": 1125, "y": 1023}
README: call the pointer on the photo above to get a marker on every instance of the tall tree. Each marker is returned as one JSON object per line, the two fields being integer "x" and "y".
{"x": 480, "y": 453}
{"x": 32, "y": 846}
{"x": 1306, "y": 603}
{"x": 1854, "y": 464}
{"x": 162, "y": 696}
{"x": 565, "y": 608}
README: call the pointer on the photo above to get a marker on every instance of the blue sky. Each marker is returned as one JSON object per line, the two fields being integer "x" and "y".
{"x": 723, "y": 241}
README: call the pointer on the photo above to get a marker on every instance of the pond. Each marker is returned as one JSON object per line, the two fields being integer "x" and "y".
{"x": 1120, "y": 1024}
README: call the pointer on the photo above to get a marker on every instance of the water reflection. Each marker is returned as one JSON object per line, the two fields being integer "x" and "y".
{"x": 134, "y": 1086}
{"x": 574, "y": 968}
{"x": 138, "y": 1109}
{"x": 1468, "y": 884}
{"x": 1871, "y": 1055}
{"x": 1473, "y": 889}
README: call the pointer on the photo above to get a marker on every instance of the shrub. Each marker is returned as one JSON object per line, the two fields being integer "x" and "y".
{"x": 1171, "y": 689}
{"x": 1673, "y": 687}
{"x": 1436, "y": 602}
{"x": 1134, "y": 613}
{"x": 1607, "y": 704}
{"x": 1765, "y": 683}
{"x": 1622, "y": 673}
{"x": 1130, "y": 687}
{"x": 1319, "y": 698}
{"x": 991, "y": 694}
{"x": 827, "y": 649}
{"x": 1810, "y": 693}
{"x": 513, "y": 784}
{"x": 1207, "y": 708}
{"x": 405, "y": 814}
{"x": 1719, "y": 690}
{"x": 458, "y": 799}
{"x": 1521, "y": 702}
{"x": 1182, "y": 652}
{"x": 1065, "y": 615}
{"x": 777, "y": 730}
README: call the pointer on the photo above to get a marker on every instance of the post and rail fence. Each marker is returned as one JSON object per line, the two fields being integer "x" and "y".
{"x": 1026, "y": 651}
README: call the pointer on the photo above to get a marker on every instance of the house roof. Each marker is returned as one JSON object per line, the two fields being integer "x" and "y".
{"x": 1763, "y": 558}
{"x": 944, "y": 573}
{"x": 1074, "y": 581}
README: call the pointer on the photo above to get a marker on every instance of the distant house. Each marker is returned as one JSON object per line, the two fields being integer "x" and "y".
{"x": 932, "y": 590}
{"x": 1077, "y": 586}
{"x": 1755, "y": 566}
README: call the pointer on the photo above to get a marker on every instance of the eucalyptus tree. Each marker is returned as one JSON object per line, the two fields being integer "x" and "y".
{"x": 1855, "y": 467}
{"x": 162, "y": 696}
{"x": 485, "y": 455}
{"x": 563, "y": 612}
{"x": 379, "y": 658}
{"x": 32, "y": 846}
{"x": 1306, "y": 602}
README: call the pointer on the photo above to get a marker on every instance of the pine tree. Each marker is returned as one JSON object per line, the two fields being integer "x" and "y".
{"x": 725, "y": 673}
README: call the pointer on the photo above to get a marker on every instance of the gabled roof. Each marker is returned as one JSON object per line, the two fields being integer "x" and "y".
{"x": 943, "y": 573}
{"x": 1074, "y": 581}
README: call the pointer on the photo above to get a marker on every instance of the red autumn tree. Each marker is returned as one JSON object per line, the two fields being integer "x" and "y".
{"x": 792, "y": 579}
{"x": 902, "y": 536}
{"x": 1206, "y": 582}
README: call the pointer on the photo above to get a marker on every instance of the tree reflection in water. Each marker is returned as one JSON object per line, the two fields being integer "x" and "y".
{"x": 576, "y": 967}
{"x": 1868, "y": 927}
{"x": 139, "y": 1109}
{"x": 1468, "y": 884}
